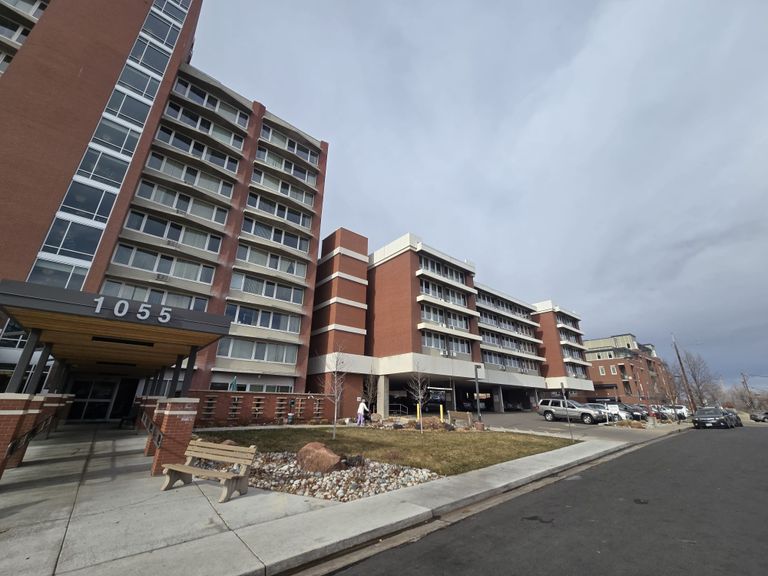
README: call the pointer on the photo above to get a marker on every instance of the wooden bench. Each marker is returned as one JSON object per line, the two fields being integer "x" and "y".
{"x": 199, "y": 454}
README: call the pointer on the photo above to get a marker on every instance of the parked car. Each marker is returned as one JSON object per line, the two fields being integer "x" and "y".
{"x": 619, "y": 408}
{"x": 613, "y": 412}
{"x": 637, "y": 411}
{"x": 559, "y": 409}
{"x": 682, "y": 410}
{"x": 735, "y": 418}
{"x": 759, "y": 416}
{"x": 711, "y": 418}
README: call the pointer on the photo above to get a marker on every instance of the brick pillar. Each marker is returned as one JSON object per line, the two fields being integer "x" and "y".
{"x": 13, "y": 408}
{"x": 177, "y": 421}
{"x": 150, "y": 407}
{"x": 26, "y": 424}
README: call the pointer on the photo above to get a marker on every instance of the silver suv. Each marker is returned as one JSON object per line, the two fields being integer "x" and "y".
{"x": 557, "y": 408}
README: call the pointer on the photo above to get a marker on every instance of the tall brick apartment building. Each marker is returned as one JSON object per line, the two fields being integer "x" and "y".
{"x": 127, "y": 172}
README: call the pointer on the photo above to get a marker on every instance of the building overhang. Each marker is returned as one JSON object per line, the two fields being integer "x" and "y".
{"x": 102, "y": 334}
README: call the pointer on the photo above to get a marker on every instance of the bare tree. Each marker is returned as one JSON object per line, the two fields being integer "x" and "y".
{"x": 335, "y": 387}
{"x": 370, "y": 388}
{"x": 704, "y": 387}
{"x": 417, "y": 387}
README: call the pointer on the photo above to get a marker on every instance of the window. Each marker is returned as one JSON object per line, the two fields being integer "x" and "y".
{"x": 613, "y": 370}
{"x": 267, "y": 232}
{"x": 154, "y": 296}
{"x": 284, "y": 188}
{"x": 116, "y": 137}
{"x": 5, "y": 61}
{"x": 256, "y": 350}
{"x": 58, "y": 275}
{"x": 189, "y": 175}
{"x": 13, "y": 31}
{"x": 139, "y": 82}
{"x": 32, "y": 7}
{"x": 72, "y": 239}
{"x": 162, "y": 264}
{"x": 88, "y": 201}
{"x": 268, "y": 319}
{"x": 149, "y": 56}
{"x": 102, "y": 167}
{"x": 204, "y": 125}
{"x": 283, "y": 212}
{"x": 127, "y": 108}
{"x": 200, "y": 96}
{"x": 174, "y": 232}
{"x": 267, "y": 288}
{"x": 266, "y": 259}
{"x": 190, "y": 146}
{"x": 177, "y": 10}
{"x": 602, "y": 370}
{"x": 161, "y": 30}
{"x": 278, "y": 138}
{"x": 276, "y": 161}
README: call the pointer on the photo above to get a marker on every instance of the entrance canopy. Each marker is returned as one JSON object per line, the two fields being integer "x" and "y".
{"x": 103, "y": 334}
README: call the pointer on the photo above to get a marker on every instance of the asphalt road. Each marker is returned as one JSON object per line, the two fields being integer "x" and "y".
{"x": 692, "y": 503}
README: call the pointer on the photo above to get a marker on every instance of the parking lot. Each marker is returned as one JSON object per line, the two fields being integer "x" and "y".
{"x": 534, "y": 423}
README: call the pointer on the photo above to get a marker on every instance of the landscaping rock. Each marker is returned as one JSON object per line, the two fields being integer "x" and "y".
{"x": 317, "y": 457}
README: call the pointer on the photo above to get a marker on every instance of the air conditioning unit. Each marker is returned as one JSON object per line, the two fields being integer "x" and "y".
{"x": 453, "y": 353}
{"x": 443, "y": 324}
{"x": 443, "y": 352}
{"x": 161, "y": 277}
{"x": 503, "y": 368}
{"x": 173, "y": 243}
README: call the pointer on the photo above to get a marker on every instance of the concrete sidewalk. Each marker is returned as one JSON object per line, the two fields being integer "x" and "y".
{"x": 83, "y": 503}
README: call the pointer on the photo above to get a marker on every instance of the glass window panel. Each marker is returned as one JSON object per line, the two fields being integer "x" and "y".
{"x": 242, "y": 349}
{"x": 144, "y": 260}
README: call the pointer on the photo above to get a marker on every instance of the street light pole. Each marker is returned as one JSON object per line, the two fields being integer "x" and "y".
{"x": 477, "y": 396}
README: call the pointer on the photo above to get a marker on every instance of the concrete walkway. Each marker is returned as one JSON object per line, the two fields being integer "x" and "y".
{"x": 83, "y": 503}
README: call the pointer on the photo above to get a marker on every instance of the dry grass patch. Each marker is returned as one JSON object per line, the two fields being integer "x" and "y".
{"x": 442, "y": 452}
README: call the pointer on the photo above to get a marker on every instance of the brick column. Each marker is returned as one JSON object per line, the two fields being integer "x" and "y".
{"x": 177, "y": 421}
{"x": 26, "y": 424}
{"x": 13, "y": 408}
{"x": 150, "y": 408}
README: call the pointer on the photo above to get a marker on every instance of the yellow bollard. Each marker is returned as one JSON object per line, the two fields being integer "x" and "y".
{"x": 418, "y": 411}
{"x": 441, "y": 413}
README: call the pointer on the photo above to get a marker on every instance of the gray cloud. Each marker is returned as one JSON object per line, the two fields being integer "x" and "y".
{"x": 608, "y": 155}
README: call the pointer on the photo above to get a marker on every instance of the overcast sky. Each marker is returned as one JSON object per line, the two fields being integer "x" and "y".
{"x": 610, "y": 156}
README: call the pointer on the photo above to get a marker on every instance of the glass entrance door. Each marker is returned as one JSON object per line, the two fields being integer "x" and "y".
{"x": 93, "y": 399}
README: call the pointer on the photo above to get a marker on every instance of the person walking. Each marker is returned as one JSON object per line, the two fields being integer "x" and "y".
{"x": 362, "y": 408}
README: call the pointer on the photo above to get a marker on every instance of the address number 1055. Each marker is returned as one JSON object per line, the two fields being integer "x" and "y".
{"x": 144, "y": 312}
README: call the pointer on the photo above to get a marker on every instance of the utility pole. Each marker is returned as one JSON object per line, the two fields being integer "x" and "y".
{"x": 691, "y": 400}
{"x": 750, "y": 398}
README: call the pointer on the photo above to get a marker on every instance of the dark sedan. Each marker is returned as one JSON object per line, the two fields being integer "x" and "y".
{"x": 711, "y": 418}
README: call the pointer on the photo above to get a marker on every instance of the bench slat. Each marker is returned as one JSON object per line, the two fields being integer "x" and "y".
{"x": 200, "y": 472}
{"x": 223, "y": 447}
{"x": 219, "y": 457}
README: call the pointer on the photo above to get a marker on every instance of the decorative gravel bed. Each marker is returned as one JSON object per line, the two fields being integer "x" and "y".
{"x": 279, "y": 471}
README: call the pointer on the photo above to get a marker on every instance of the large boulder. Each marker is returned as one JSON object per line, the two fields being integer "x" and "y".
{"x": 317, "y": 457}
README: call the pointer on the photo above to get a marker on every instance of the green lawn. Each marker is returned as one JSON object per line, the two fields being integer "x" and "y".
{"x": 441, "y": 451}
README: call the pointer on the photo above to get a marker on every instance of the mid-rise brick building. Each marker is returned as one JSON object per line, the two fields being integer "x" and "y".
{"x": 624, "y": 370}
{"x": 427, "y": 318}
